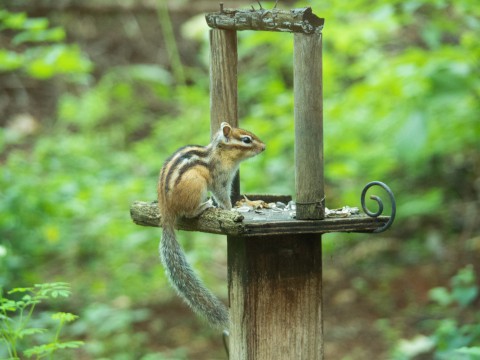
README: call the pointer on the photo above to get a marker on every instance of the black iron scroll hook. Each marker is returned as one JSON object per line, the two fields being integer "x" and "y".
{"x": 380, "y": 204}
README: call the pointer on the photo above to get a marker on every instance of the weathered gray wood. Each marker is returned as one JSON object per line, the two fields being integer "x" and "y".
{"x": 275, "y": 292}
{"x": 308, "y": 111}
{"x": 273, "y": 223}
{"x": 301, "y": 20}
{"x": 223, "y": 86}
{"x": 223, "y": 78}
{"x": 269, "y": 222}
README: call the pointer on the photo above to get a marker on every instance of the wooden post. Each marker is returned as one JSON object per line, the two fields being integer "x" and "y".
{"x": 223, "y": 85}
{"x": 308, "y": 111}
{"x": 223, "y": 78}
{"x": 275, "y": 293}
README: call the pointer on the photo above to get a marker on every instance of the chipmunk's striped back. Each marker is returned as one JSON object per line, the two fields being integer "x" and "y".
{"x": 181, "y": 161}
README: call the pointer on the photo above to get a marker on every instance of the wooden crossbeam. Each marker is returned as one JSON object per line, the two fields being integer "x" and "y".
{"x": 301, "y": 20}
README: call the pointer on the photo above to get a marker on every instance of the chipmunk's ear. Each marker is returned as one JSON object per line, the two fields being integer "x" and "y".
{"x": 226, "y": 129}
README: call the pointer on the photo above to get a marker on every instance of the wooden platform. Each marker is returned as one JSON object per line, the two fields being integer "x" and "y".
{"x": 263, "y": 222}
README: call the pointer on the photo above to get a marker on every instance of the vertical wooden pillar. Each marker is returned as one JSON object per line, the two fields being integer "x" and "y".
{"x": 275, "y": 292}
{"x": 309, "y": 183}
{"x": 223, "y": 85}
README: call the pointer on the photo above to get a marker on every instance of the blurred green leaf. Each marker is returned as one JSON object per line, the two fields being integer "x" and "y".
{"x": 9, "y": 20}
{"x": 464, "y": 287}
{"x": 56, "y": 59}
{"x": 441, "y": 296}
{"x": 47, "y": 57}
{"x": 53, "y": 34}
{"x": 412, "y": 137}
{"x": 64, "y": 317}
{"x": 473, "y": 351}
{"x": 427, "y": 204}
{"x": 10, "y": 60}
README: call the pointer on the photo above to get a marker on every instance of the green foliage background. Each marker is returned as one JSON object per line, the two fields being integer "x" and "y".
{"x": 401, "y": 105}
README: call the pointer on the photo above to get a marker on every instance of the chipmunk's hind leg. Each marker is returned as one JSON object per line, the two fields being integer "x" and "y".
{"x": 191, "y": 193}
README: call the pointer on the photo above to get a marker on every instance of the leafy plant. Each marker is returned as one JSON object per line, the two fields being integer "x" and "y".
{"x": 464, "y": 290}
{"x": 16, "y": 319}
{"x": 37, "y": 49}
{"x": 451, "y": 338}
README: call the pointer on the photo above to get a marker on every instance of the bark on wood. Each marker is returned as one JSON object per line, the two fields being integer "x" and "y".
{"x": 269, "y": 222}
{"x": 213, "y": 221}
{"x": 308, "y": 109}
{"x": 296, "y": 20}
{"x": 275, "y": 293}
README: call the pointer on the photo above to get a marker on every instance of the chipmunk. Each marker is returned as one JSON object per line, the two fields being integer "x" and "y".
{"x": 184, "y": 181}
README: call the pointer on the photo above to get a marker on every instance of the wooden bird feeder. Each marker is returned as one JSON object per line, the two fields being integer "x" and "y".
{"x": 274, "y": 259}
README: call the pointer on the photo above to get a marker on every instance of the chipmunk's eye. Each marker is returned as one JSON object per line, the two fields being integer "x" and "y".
{"x": 246, "y": 139}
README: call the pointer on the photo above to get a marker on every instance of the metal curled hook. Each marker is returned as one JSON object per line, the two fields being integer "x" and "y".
{"x": 380, "y": 204}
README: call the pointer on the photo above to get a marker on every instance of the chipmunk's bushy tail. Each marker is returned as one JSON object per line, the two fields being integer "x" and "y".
{"x": 187, "y": 284}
